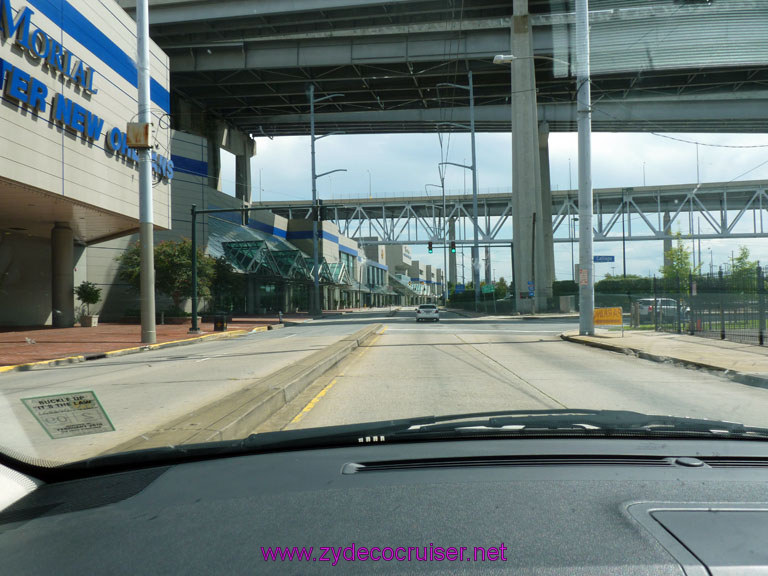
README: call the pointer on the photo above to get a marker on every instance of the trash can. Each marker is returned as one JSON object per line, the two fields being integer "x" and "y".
{"x": 220, "y": 323}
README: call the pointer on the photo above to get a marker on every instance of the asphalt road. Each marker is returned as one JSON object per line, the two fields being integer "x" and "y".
{"x": 484, "y": 364}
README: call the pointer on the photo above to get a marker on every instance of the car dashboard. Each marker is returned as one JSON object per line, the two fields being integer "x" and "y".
{"x": 522, "y": 506}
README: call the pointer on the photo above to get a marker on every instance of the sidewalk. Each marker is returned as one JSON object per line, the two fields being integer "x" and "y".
{"x": 31, "y": 345}
{"x": 742, "y": 363}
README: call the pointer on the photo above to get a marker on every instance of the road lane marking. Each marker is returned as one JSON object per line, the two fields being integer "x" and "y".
{"x": 289, "y": 336}
{"x": 312, "y": 402}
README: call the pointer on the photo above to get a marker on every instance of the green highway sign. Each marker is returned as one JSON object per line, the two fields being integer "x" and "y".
{"x": 488, "y": 289}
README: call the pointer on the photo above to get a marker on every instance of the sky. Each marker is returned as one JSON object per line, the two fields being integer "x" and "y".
{"x": 401, "y": 164}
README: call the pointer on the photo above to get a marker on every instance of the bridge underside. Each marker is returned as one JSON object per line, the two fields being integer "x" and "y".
{"x": 249, "y": 63}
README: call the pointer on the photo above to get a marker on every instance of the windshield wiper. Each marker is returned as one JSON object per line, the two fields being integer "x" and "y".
{"x": 507, "y": 423}
{"x": 603, "y": 420}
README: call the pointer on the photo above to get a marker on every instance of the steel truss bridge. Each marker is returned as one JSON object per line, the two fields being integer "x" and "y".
{"x": 714, "y": 210}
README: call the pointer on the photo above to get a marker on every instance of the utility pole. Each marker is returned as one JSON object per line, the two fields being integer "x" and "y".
{"x": 584, "y": 121}
{"x": 316, "y": 305}
{"x": 146, "y": 218}
{"x": 473, "y": 167}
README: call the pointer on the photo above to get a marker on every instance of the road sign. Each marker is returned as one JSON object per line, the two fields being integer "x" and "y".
{"x": 459, "y": 289}
{"x": 488, "y": 289}
{"x": 608, "y": 316}
{"x": 603, "y": 259}
{"x": 583, "y": 277}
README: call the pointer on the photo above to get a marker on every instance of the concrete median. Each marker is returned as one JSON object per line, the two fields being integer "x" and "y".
{"x": 238, "y": 414}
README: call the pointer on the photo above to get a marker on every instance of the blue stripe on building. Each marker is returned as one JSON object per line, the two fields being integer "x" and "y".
{"x": 189, "y": 166}
{"x": 307, "y": 235}
{"x": 72, "y": 22}
{"x": 268, "y": 228}
{"x": 344, "y": 250}
{"x": 377, "y": 265}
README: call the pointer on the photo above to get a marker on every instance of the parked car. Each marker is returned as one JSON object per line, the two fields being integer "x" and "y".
{"x": 427, "y": 312}
{"x": 666, "y": 307}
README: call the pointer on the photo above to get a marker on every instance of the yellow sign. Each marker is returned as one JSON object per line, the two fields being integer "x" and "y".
{"x": 608, "y": 316}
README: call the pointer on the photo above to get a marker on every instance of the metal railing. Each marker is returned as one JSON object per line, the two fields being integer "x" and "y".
{"x": 722, "y": 306}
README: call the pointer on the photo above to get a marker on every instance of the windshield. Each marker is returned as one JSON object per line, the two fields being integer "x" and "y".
{"x": 333, "y": 215}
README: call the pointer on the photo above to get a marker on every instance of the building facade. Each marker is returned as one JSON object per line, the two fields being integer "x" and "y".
{"x": 67, "y": 178}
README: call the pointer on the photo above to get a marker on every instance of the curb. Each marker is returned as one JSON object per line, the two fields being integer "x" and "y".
{"x": 125, "y": 351}
{"x": 275, "y": 326}
{"x": 552, "y": 317}
{"x": 237, "y": 415}
{"x": 740, "y": 377}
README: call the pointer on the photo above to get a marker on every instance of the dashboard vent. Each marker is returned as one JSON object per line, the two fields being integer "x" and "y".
{"x": 506, "y": 461}
{"x": 731, "y": 462}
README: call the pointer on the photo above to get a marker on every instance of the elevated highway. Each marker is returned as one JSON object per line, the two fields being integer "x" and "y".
{"x": 726, "y": 210}
{"x": 248, "y": 63}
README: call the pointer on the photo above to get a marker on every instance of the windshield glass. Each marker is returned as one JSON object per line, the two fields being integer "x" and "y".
{"x": 332, "y": 215}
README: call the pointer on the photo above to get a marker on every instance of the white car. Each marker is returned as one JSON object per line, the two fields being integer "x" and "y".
{"x": 427, "y": 312}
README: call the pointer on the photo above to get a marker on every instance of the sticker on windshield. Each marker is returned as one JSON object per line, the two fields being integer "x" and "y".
{"x": 66, "y": 415}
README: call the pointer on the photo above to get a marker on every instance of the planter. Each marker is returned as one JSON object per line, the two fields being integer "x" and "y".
{"x": 178, "y": 319}
{"x": 89, "y": 320}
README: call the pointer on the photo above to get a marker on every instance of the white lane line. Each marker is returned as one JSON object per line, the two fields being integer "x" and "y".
{"x": 203, "y": 359}
{"x": 289, "y": 336}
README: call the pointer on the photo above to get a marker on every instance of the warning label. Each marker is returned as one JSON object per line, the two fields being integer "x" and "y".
{"x": 66, "y": 415}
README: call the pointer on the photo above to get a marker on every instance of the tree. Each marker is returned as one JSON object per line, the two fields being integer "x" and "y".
{"x": 173, "y": 270}
{"x": 679, "y": 258}
{"x": 227, "y": 283}
{"x": 88, "y": 293}
{"x": 742, "y": 265}
{"x": 501, "y": 288}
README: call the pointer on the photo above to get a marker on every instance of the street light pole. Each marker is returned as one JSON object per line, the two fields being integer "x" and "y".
{"x": 473, "y": 167}
{"x": 316, "y": 307}
{"x": 146, "y": 218}
{"x": 584, "y": 123}
{"x": 369, "y": 184}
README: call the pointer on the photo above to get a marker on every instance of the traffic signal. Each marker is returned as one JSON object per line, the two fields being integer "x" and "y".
{"x": 453, "y": 247}
{"x": 429, "y": 248}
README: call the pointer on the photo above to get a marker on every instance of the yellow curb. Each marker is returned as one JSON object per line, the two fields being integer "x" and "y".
{"x": 68, "y": 359}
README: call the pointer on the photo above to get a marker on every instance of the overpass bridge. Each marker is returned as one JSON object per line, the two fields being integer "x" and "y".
{"x": 248, "y": 63}
{"x": 241, "y": 69}
{"x": 726, "y": 209}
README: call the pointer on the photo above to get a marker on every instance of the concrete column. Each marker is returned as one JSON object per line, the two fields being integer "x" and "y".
{"x": 526, "y": 175}
{"x": 667, "y": 241}
{"x": 546, "y": 258}
{"x": 488, "y": 275}
{"x": 62, "y": 275}
{"x": 243, "y": 173}
{"x": 214, "y": 158}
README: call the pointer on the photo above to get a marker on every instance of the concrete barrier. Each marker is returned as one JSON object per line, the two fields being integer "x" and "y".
{"x": 237, "y": 415}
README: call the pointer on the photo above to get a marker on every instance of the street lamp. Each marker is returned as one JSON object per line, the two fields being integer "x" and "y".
{"x": 317, "y": 308}
{"x": 473, "y": 167}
